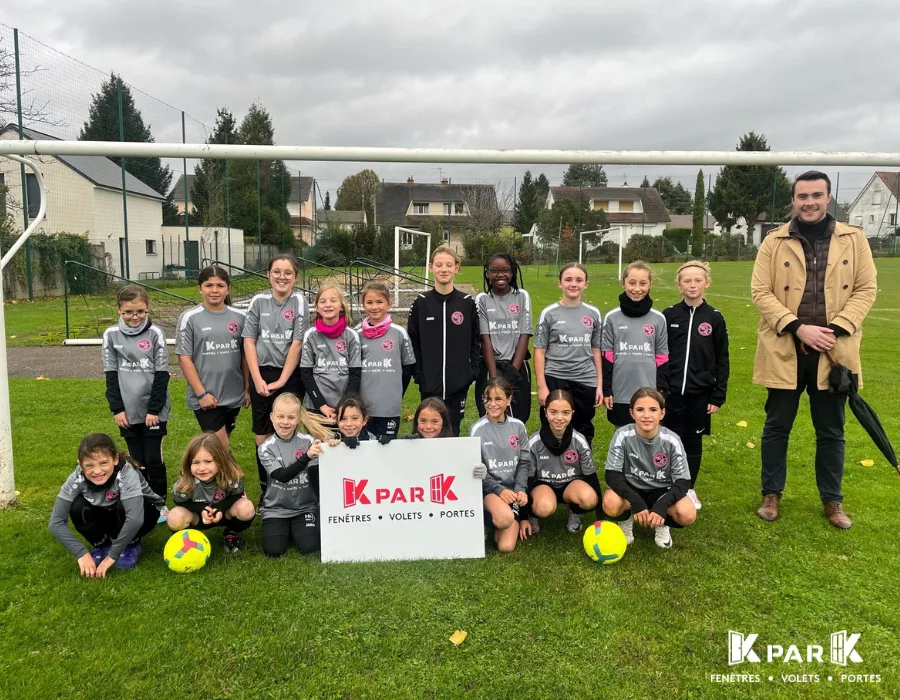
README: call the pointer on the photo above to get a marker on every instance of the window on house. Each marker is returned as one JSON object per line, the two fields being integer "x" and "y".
{"x": 871, "y": 218}
{"x": 892, "y": 219}
{"x": 459, "y": 208}
{"x": 876, "y": 197}
{"x": 447, "y": 207}
{"x": 859, "y": 221}
{"x": 420, "y": 207}
{"x": 34, "y": 195}
{"x": 598, "y": 205}
{"x": 626, "y": 206}
{"x": 150, "y": 246}
{"x": 446, "y": 232}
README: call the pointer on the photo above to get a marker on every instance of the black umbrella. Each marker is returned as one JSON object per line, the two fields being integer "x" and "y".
{"x": 842, "y": 381}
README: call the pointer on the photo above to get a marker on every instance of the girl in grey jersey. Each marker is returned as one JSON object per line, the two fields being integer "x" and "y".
{"x": 210, "y": 491}
{"x": 210, "y": 353}
{"x": 110, "y": 505}
{"x": 504, "y": 319}
{"x": 290, "y": 506}
{"x": 330, "y": 363}
{"x": 562, "y": 468}
{"x": 136, "y": 365}
{"x": 647, "y": 473}
{"x": 504, "y": 453}
{"x": 273, "y": 337}
{"x": 388, "y": 361}
{"x": 635, "y": 345}
{"x": 567, "y": 350}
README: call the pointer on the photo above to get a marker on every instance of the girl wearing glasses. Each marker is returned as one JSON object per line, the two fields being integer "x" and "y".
{"x": 273, "y": 339}
{"x": 136, "y": 364}
{"x": 504, "y": 320}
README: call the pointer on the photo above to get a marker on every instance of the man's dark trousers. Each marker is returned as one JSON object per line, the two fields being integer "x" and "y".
{"x": 827, "y": 412}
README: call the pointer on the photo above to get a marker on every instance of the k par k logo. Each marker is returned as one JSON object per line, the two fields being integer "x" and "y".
{"x": 740, "y": 649}
{"x": 439, "y": 491}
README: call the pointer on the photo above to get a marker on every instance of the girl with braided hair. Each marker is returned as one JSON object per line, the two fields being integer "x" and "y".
{"x": 504, "y": 319}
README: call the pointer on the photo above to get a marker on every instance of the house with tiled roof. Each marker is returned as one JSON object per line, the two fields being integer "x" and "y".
{"x": 875, "y": 208}
{"x": 456, "y": 207}
{"x": 636, "y": 209}
{"x": 300, "y": 204}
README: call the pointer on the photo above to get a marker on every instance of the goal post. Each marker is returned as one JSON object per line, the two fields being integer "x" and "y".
{"x": 7, "y": 473}
{"x": 397, "y": 245}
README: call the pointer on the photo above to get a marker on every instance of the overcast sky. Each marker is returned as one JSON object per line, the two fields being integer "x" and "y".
{"x": 611, "y": 75}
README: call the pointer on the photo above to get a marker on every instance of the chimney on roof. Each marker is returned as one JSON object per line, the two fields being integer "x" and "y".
{"x": 410, "y": 181}
{"x": 445, "y": 181}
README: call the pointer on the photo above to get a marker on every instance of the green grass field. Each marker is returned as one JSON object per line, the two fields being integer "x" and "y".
{"x": 543, "y": 621}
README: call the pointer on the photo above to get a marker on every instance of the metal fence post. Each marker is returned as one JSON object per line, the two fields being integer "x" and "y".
{"x": 126, "y": 266}
{"x": 28, "y": 273}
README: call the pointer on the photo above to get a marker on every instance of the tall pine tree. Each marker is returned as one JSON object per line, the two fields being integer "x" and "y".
{"x": 699, "y": 209}
{"x": 746, "y": 191}
{"x": 103, "y": 125}
{"x": 584, "y": 175}
{"x": 208, "y": 193}
{"x": 327, "y": 201}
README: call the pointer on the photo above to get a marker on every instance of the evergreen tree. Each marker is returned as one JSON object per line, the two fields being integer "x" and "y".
{"x": 103, "y": 125}
{"x": 584, "y": 175}
{"x": 699, "y": 209}
{"x": 676, "y": 198}
{"x": 542, "y": 189}
{"x": 746, "y": 191}
{"x": 527, "y": 206}
{"x": 645, "y": 182}
{"x": 208, "y": 194}
{"x": 327, "y": 201}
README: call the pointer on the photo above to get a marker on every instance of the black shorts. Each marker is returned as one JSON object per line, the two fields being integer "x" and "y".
{"x": 140, "y": 430}
{"x": 620, "y": 415}
{"x": 262, "y": 405}
{"x": 558, "y": 489}
{"x": 514, "y": 507}
{"x": 651, "y": 496}
{"x": 686, "y": 414}
{"x": 379, "y": 426}
{"x": 214, "y": 419}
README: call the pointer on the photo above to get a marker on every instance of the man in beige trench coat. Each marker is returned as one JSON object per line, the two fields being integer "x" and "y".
{"x": 813, "y": 283}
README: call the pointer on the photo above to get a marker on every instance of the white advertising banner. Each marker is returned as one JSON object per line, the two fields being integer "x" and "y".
{"x": 410, "y": 499}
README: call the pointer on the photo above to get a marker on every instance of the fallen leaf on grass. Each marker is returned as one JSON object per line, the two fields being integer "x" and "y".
{"x": 713, "y": 441}
{"x": 534, "y": 393}
{"x": 744, "y": 348}
{"x": 410, "y": 416}
{"x": 12, "y": 336}
{"x": 741, "y": 424}
{"x": 867, "y": 462}
{"x": 458, "y": 637}
{"x": 40, "y": 378}
{"x": 750, "y": 445}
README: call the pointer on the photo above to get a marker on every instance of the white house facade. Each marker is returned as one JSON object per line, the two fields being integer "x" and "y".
{"x": 875, "y": 208}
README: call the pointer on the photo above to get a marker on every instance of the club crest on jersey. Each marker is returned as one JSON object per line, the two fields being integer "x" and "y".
{"x": 649, "y": 329}
{"x": 233, "y": 328}
{"x": 514, "y": 441}
{"x": 219, "y": 496}
{"x": 570, "y": 457}
{"x": 288, "y": 314}
{"x": 457, "y": 317}
{"x": 387, "y": 344}
{"x": 341, "y": 345}
{"x": 112, "y": 495}
{"x": 704, "y": 329}
{"x": 144, "y": 344}
{"x": 298, "y": 454}
{"x": 660, "y": 459}
{"x": 587, "y": 322}
{"x": 513, "y": 308}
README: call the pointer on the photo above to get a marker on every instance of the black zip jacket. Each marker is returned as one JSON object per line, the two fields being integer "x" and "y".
{"x": 443, "y": 330}
{"x": 698, "y": 351}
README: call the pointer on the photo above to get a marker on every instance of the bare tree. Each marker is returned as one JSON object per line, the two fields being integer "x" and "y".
{"x": 34, "y": 111}
{"x": 485, "y": 206}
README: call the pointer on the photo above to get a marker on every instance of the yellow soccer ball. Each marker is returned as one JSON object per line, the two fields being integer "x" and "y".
{"x": 186, "y": 551}
{"x": 604, "y": 542}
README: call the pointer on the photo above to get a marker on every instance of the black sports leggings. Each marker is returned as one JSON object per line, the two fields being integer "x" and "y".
{"x": 303, "y": 529}
{"x": 100, "y": 526}
{"x": 148, "y": 452}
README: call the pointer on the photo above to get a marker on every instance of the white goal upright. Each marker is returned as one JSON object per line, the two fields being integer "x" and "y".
{"x": 404, "y": 237}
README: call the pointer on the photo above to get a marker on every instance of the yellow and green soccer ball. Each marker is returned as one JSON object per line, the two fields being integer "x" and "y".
{"x": 186, "y": 551}
{"x": 604, "y": 542}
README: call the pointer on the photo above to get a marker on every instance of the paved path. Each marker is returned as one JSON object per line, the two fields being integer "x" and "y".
{"x": 62, "y": 362}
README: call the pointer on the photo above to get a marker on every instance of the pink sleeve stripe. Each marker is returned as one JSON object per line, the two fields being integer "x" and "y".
{"x": 609, "y": 356}
{"x": 661, "y": 360}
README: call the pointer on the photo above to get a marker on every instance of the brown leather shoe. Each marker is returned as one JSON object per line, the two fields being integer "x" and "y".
{"x": 769, "y": 508}
{"x": 834, "y": 511}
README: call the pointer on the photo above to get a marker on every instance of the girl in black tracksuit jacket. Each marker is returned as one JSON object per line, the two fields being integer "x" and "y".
{"x": 443, "y": 330}
{"x": 698, "y": 364}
